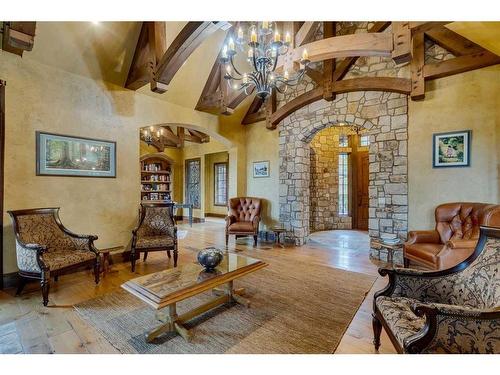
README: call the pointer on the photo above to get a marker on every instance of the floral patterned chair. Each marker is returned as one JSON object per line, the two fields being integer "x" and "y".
{"x": 156, "y": 231}
{"x": 456, "y": 310}
{"x": 45, "y": 248}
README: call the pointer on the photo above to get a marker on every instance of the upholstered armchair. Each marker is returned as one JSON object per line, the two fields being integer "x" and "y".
{"x": 45, "y": 248}
{"x": 454, "y": 237}
{"x": 456, "y": 310}
{"x": 243, "y": 218}
{"x": 156, "y": 231}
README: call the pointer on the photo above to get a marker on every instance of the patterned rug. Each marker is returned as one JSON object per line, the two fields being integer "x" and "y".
{"x": 295, "y": 308}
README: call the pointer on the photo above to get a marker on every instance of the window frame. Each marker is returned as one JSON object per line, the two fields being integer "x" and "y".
{"x": 216, "y": 176}
{"x": 345, "y": 192}
{"x": 186, "y": 181}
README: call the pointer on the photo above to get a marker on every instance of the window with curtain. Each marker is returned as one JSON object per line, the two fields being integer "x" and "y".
{"x": 220, "y": 182}
{"x": 193, "y": 178}
{"x": 343, "y": 184}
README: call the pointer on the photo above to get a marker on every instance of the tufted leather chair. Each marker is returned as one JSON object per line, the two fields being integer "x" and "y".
{"x": 455, "y": 236}
{"x": 243, "y": 217}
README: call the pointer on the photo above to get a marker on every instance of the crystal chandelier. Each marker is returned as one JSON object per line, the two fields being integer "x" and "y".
{"x": 263, "y": 48}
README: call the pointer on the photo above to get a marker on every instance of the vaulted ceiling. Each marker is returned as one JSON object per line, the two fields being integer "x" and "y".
{"x": 105, "y": 52}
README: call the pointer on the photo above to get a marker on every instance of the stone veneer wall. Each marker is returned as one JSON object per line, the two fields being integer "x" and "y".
{"x": 375, "y": 111}
{"x": 383, "y": 114}
{"x": 324, "y": 182}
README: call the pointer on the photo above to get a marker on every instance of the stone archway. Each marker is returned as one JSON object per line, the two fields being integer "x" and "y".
{"x": 384, "y": 116}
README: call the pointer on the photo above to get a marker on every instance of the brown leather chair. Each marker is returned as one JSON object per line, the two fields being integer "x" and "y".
{"x": 455, "y": 236}
{"x": 243, "y": 218}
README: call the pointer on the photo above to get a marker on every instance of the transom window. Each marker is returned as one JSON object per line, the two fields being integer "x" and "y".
{"x": 220, "y": 181}
{"x": 343, "y": 184}
{"x": 343, "y": 140}
{"x": 364, "y": 140}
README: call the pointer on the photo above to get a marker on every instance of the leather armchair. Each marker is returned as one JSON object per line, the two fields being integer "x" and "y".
{"x": 243, "y": 218}
{"x": 45, "y": 248}
{"x": 456, "y": 310}
{"x": 455, "y": 236}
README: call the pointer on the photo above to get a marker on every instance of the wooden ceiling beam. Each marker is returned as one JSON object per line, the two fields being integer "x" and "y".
{"x": 328, "y": 65}
{"x": 417, "y": 67}
{"x": 188, "y": 39}
{"x": 460, "y": 64}
{"x": 364, "y": 44}
{"x": 18, "y": 36}
{"x": 423, "y": 27}
{"x": 305, "y": 33}
{"x": 181, "y": 134}
{"x": 147, "y": 52}
{"x": 254, "y": 114}
{"x": 453, "y": 42}
{"x": 399, "y": 85}
{"x": 171, "y": 137}
{"x": 402, "y": 42}
{"x": 343, "y": 67}
{"x": 202, "y": 136}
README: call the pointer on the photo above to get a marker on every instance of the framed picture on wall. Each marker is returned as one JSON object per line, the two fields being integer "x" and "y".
{"x": 63, "y": 155}
{"x": 261, "y": 168}
{"x": 451, "y": 149}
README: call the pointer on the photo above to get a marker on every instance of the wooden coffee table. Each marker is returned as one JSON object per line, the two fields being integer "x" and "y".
{"x": 162, "y": 290}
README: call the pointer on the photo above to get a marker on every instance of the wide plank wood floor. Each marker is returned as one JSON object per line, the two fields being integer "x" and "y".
{"x": 28, "y": 327}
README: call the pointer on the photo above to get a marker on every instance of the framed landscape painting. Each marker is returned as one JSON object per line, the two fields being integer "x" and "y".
{"x": 261, "y": 168}
{"x": 62, "y": 155}
{"x": 452, "y": 149}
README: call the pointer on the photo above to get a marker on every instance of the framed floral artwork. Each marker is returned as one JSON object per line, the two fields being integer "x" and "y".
{"x": 451, "y": 149}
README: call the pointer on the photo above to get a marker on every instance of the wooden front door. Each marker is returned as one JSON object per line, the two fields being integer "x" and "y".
{"x": 360, "y": 191}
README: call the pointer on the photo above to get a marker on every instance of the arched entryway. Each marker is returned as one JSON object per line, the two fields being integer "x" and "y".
{"x": 375, "y": 112}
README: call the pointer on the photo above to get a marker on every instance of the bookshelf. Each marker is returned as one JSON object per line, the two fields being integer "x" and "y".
{"x": 156, "y": 180}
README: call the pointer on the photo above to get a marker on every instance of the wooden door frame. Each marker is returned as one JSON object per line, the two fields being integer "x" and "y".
{"x": 2, "y": 171}
{"x": 355, "y": 147}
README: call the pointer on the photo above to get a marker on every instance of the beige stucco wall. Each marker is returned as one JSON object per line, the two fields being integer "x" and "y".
{"x": 461, "y": 102}
{"x": 262, "y": 144}
{"x": 39, "y": 97}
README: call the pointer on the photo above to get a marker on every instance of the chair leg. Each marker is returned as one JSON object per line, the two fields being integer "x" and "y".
{"x": 227, "y": 239}
{"x": 132, "y": 259}
{"x": 20, "y": 286}
{"x": 254, "y": 240}
{"x": 145, "y": 256}
{"x": 168, "y": 254}
{"x": 377, "y": 330}
{"x": 45, "y": 283}
{"x": 406, "y": 262}
{"x": 97, "y": 269}
{"x": 176, "y": 254}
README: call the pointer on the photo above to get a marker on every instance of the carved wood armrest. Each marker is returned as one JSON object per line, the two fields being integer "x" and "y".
{"x": 454, "y": 329}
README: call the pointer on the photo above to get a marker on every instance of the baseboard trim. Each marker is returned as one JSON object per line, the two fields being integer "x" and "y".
{"x": 186, "y": 218}
{"x": 10, "y": 280}
{"x": 222, "y": 216}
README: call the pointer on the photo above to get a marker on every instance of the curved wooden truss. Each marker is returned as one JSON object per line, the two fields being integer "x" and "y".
{"x": 400, "y": 85}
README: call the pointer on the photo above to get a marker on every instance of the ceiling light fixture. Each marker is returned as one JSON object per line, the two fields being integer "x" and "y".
{"x": 263, "y": 48}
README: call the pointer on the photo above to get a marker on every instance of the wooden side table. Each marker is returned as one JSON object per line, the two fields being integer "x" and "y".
{"x": 391, "y": 248}
{"x": 105, "y": 255}
{"x": 277, "y": 233}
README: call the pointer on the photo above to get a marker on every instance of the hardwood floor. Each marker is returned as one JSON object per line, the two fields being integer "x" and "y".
{"x": 28, "y": 327}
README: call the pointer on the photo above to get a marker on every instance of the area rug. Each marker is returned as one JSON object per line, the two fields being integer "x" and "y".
{"x": 295, "y": 308}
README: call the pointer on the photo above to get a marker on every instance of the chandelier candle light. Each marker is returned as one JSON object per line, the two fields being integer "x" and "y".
{"x": 265, "y": 46}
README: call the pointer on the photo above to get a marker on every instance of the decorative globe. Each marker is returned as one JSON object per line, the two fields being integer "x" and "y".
{"x": 210, "y": 257}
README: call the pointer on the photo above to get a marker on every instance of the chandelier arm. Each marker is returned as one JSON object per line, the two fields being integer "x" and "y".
{"x": 234, "y": 67}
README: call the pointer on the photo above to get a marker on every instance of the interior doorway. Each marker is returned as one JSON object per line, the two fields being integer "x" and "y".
{"x": 339, "y": 179}
{"x": 360, "y": 181}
